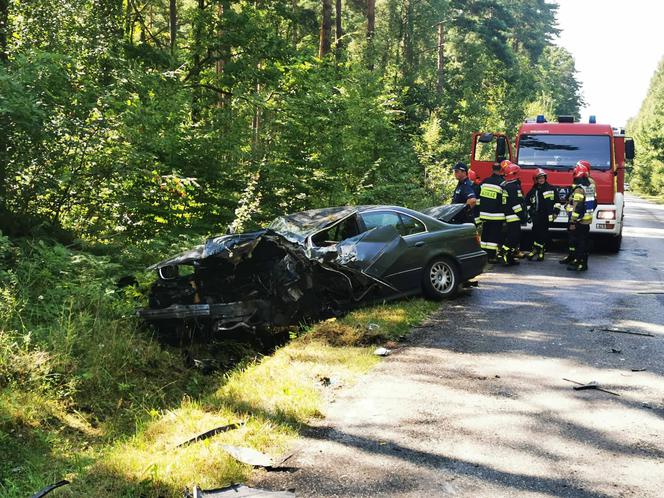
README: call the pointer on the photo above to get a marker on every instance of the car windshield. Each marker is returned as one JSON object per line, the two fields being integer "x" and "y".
{"x": 563, "y": 151}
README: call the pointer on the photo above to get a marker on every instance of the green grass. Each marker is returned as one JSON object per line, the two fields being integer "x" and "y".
{"x": 85, "y": 395}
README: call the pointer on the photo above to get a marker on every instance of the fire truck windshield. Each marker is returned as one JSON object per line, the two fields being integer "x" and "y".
{"x": 563, "y": 151}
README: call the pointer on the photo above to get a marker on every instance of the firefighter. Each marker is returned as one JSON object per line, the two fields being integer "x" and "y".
{"x": 492, "y": 215}
{"x": 464, "y": 192}
{"x": 580, "y": 207}
{"x": 475, "y": 180}
{"x": 515, "y": 214}
{"x": 540, "y": 202}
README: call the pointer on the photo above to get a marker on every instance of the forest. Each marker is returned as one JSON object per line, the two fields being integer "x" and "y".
{"x": 132, "y": 128}
{"x": 132, "y": 118}
{"x": 648, "y": 131}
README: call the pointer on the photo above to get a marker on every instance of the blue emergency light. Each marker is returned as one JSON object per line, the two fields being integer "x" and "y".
{"x": 592, "y": 119}
{"x": 540, "y": 118}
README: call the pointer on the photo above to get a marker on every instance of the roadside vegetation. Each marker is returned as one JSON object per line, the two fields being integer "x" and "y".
{"x": 87, "y": 395}
{"x": 647, "y": 127}
{"x": 129, "y": 129}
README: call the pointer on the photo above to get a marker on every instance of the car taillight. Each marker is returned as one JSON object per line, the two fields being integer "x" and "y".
{"x": 606, "y": 215}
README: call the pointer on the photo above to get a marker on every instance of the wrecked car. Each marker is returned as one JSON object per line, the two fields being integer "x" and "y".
{"x": 311, "y": 265}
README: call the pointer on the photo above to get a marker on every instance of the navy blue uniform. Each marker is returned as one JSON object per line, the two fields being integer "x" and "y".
{"x": 464, "y": 191}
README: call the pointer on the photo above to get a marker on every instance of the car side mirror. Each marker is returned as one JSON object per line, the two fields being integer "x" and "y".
{"x": 629, "y": 149}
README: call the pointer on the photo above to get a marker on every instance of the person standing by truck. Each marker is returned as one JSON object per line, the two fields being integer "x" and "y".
{"x": 492, "y": 215}
{"x": 580, "y": 207}
{"x": 540, "y": 204}
{"x": 475, "y": 180}
{"x": 464, "y": 192}
{"x": 514, "y": 215}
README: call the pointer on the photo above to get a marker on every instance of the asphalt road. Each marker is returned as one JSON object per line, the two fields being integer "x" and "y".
{"x": 475, "y": 403}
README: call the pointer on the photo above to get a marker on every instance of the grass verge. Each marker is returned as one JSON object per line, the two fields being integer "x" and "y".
{"x": 87, "y": 397}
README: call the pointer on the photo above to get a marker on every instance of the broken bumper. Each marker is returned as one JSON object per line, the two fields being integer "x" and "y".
{"x": 226, "y": 312}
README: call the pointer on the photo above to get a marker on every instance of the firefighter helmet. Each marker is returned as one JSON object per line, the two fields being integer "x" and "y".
{"x": 581, "y": 170}
{"x": 512, "y": 172}
{"x": 472, "y": 176}
{"x": 584, "y": 163}
{"x": 539, "y": 173}
{"x": 504, "y": 164}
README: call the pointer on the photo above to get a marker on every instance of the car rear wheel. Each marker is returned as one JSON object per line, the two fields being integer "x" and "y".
{"x": 440, "y": 279}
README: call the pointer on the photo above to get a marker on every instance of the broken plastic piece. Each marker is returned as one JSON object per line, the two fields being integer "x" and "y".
{"x": 590, "y": 385}
{"x": 630, "y": 332}
{"x": 238, "y": 491}
{"x": 382, "y": 352}
{"x": 249, "y": 456}
{"x": 50, "y": 488}
{"x": 212, "y": 432}
{"x": 372, "y": 326}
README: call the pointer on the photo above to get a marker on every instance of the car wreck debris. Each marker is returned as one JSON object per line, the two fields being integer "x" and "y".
{"x": 211, "y": 432}
{"x": 50, "y": 488}
{"x": 237, "y": 491}
{"x": 591, "y": 385}
{"x": 308, "y": 266}
{"x": 630, "y": 332}
{"x": 254, "y": 457}
{"x": 382, "y": 351}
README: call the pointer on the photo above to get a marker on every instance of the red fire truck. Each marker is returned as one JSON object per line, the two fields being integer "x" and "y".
{"x": 556, "y": 147}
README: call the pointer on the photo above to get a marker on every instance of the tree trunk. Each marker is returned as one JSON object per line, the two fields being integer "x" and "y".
{"x": 196, "y": 61}
{"x": 173, "y": 21}
{"x": 408, "y": 51}
{"x": 325, "y": 29}
{"x": 371, "y": 28}
{"x": 339, "y": 31}
{"x": 223, "y": 54}
{"x": 440, "y": 64}
{"x": 4, "y": 30}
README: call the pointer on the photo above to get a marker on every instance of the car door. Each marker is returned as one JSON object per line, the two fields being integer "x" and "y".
{"x": 409, "y": 257}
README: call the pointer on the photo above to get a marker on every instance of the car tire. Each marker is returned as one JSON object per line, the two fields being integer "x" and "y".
{"x": 441, "y": 279}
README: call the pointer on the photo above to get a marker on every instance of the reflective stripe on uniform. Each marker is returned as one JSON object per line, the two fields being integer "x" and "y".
{"x": 491, "y": 186}
{"x": 548, "y": 194}
{"x": 578, "y": 196}
{"x": 575, "y": 215}
{"x": 511, "y": 218}
{"x": 537, "y": 244}
{"x": 517, "y": 208}
{"x": 489, "y": 245}
{"x": 492, "y": 216}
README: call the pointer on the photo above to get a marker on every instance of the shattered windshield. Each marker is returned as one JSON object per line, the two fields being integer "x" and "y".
{"x": 563, "y": 151}
{"x": 303, "y": 223}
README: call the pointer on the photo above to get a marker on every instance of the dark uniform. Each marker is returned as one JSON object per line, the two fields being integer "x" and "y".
{"x": 476, "y": 210}
{"x": 492, "y": 214}
{"x": 580, "y": 207}
{"x": 540, "y": 202}
{"x": 514, "y": 215}
{"x": 464, "y": 191}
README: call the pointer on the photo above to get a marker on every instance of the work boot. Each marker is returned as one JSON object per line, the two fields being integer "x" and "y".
{"x": 577, "y": 265}
{"x": 540, "y": 255}
{"x": 567, "y": 259}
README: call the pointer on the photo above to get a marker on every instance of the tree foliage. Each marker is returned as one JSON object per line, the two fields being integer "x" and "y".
{"x": 141, "y": 116}
{"x": 648, "y": 131}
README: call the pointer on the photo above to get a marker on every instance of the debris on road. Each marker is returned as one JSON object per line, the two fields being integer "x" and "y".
{"x": 382, "y": 352}
{"x": 638, "y": 369}
{"x": 211, "y": 432}
{"x": 237, "y": 491}
{"x": 630, "y": 332}
{"x": 50, "y": 488}
{"x": 590, "y": 385}
{"x": 255, "y": 458}
{"x": 372, "y": 326}
{"x": 614, "y": 350}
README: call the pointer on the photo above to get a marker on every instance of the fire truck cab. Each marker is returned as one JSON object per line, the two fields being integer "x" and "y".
{"x": 556, "y": 147}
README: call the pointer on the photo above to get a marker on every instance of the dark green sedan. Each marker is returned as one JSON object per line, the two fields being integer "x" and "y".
{"x": 315, "y": 264}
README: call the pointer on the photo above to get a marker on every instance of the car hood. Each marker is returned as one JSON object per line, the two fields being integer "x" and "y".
{"x": 231, "y": 247}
